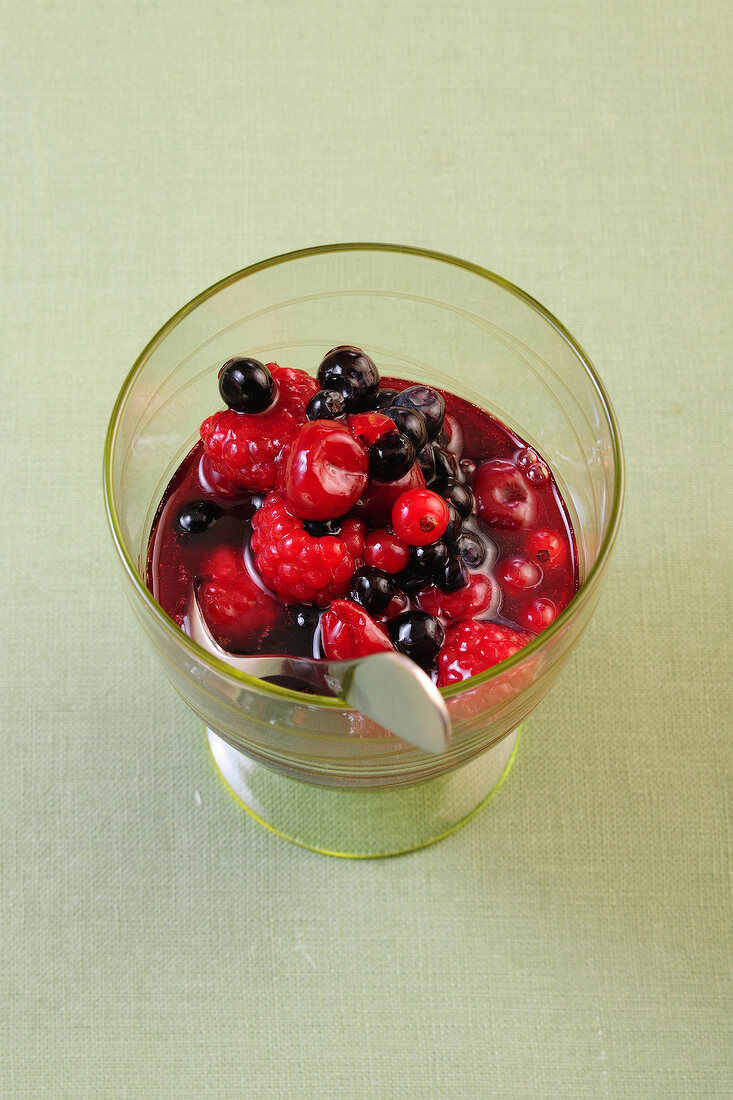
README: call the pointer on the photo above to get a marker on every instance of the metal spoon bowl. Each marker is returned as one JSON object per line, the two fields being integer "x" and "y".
{"x": 387, "y": 687}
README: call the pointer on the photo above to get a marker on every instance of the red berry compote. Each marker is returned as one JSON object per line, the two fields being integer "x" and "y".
{"x": 337, "y": 517}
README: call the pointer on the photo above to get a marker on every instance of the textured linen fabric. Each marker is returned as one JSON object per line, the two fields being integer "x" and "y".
{"x": 575, "y": 939}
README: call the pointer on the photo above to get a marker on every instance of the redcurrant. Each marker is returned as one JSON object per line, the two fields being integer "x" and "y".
{"x": 420, "y": 517}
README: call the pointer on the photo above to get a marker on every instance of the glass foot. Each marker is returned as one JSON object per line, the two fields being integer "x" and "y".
{"x": 363, "y": 824}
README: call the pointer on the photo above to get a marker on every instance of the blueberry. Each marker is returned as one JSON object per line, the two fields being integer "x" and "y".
{"x": 326, "y": 405}
{"x": 431, "y": 559}
{"x": 383, "y": 399}
{"x": 455, "y": 576}
{"x": 246, "y": 385}
{"x": 429, "y": 403}
{"x": 460, "y": 495}
{"x": 391, "y": 457}
{"x": 351, "y": 365}
{"x": 320, "y": 527}
{"x": 198, "y": 516}
{"x": 372, "y": 588}
{"x": 470, "y": 549}
{"x": 455, "y": 523}
{"x": 411, "y": 423}
{"x": 417, "y": 635}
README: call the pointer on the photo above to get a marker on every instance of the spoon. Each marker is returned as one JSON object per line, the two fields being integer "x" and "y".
{"x": 387, "y": 687}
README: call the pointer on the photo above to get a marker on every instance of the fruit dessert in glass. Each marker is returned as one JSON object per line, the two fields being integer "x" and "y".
{"x": 362, "y": 516}
{"x": 305, "y": 537}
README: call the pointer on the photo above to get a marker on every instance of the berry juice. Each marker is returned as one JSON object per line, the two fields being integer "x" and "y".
{"x": 294, "y": 545}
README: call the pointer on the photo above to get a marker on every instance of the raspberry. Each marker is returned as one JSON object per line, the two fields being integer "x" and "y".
{"x": 244, "y": 448}
{"x": 324, "y": 473}
{"x": 297, "y": 566}
{"x": 385, "y": 551}
{"x": 348, "y": 632}
{"x": 466, "y": 603}
{"x": 473, "y": 647}
{"x": 235, "y": 608}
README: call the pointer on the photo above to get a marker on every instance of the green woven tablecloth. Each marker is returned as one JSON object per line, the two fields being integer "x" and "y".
{"x": 575, "y": 939}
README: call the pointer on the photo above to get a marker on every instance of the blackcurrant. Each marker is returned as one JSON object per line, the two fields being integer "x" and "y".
{"x": 198, "y": 516}
{"x": 299, "y": 627}
{"x": 382, "y": 400}
{"x": 326, "y": 405}
{"x": 345, "y": 389}
{"x": 411, "y": 423}
{"x": 468, "y": 468}
{"x": 354, "y": 366}
{"x": 429, "y": 403}
{"x": 246, "y": 385}
{"x": 321, "y": 527}
{"x": 426, "y": 462}
{"x": 412, "y": 579}
{"x": 417, "y": 635}
{"x": 431, "y": 559}
{"x": 446, "y": 469}
{"x": 372, "y": 588}
{"x": 455, "y": 523}
{"x": 391, "y": 457}
{"x": 455, "y": 576}
{"x": 469, "y": 548}
{"x": 460, "y": 495}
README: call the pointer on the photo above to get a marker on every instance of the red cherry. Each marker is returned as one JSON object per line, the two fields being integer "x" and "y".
{"x": 538, "y": 615}
{"x": 349, "y": 632}
{"x": 325, "y": 472}
{"x": 396, "y": 606}
{"x": 547, "y": 547}
{"x": 503, "y": 496}
{"x": 379, "y": 496}
{"x": 420, "y": 517}
{"x": 519, "y": 573}
{"x": 370, "y": 427}
{"x": 385, "y": 551}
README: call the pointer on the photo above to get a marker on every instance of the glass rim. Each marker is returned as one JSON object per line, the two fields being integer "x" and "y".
{"x": 242, "y": 679}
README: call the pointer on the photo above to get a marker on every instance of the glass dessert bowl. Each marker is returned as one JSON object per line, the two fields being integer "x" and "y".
{"x": 309, "y": 767}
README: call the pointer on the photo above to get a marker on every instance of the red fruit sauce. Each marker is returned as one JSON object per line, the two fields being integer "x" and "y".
{"x": 530, "y": 568}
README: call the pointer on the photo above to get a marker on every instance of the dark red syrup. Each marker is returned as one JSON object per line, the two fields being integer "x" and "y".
{"x": 531, "y": 558}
